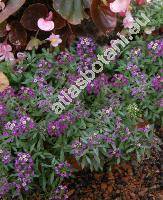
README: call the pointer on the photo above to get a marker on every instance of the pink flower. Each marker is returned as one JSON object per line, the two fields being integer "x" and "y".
{"x": 54, "y": 39}
{"x": 46, "y": 24}
{"x": 21, "y": 56}
{"x": 128, "y": 20}
{"x": 140, "y": 2}
{"x": 5, "y": 52}
{"x": 119, "y": 6}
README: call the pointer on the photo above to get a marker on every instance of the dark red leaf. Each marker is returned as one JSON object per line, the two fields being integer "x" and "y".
{"x": 102, "y": 16}
{"x": 32, "y": 14}
{"x": 67, "y": 36}
{"x": 17, "y": 35}
{"x": 59, "y": 22}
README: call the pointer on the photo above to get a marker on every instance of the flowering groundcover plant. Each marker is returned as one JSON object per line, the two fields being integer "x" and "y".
{"x": 101, "y": 125}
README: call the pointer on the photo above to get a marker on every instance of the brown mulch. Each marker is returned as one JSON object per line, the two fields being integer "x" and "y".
{"x": 126, "y": 182}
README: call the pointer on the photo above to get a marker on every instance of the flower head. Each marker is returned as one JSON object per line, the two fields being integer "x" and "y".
{"x": 4, "y": 187}
{"x": 5, "y": 52}
{"x": 46, "y": 24}
{"x": 63, "y": 170}
{"x": 119, "y": 6}
{"x": 54, "y": 39}
{"x": 24, "y": 168}
{"x": 128, "y": 20}
{"x": 60, "y": 193}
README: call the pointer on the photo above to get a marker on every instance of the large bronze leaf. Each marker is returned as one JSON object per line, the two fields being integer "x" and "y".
{"x": 32, "y": 14}
{"x": 102, "y": 16}
{"x": 17, "y": 35}
{"x": 11, "y": 7}
{"x": 58, "y": 21}
{"x": 71, "y": 10}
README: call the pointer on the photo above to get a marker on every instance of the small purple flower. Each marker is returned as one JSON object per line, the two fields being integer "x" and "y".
{"x": 114, "y": 153}
{"x": 63, "y": 170}
{"x": 40, "y": 82}
{"x": 119, "y": 80}
{"x": 156, "y": 47}
{"x": 26, "y": 93}
{"x": 133, "y": 69}
{"x": 3, "y": 110}
{"x": 136, "y": 53}
{"x": 44, "y": 67}
{"x": 85, "y": 48}
{"x": 96, "y": 85}
{"x": 57, "y": 128}
{"x": 22, "y": 125}
{"x": 160, "y": 102}
{"x": 19, "y": 69}
{"x": 45, "y": 105}
{"x": 138, "y": 81}
{"x": 145, "y": 129}
{"x": 7, "y": 93}
{"x": 157, "y": 83}
{"x": 4, "y": 187}
{"x": 5, "y": 156}
{"x": 65, "y": 58}
{"x": 85, "y": 45}
{"x": 60, "y": 193}
{"x": 94, "y": 140}
{"x": 78, "y": 148}
{"x": 24, "y": 168}
{"x": 118, "y": 124}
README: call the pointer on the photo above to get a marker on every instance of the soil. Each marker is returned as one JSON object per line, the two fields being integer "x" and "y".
{"x": 129, "y": 181}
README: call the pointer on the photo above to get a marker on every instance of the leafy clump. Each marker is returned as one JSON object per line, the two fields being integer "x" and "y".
{"x": 112, "y": 120}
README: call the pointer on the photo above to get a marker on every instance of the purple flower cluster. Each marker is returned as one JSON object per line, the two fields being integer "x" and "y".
{"x": 59, "y": 126}
{"x": 157, "y": 83}
{"x": 43, "y": 86}
{"x": 78, "y": 148}
{"x": 96, "y": 85}
{"x": 114, "y": 153}
{"x": 18, "y": 127}
{"x": 5, "y": 156}
{"x": 44, "y": 67}
{"x": 3, "y": 110}
{"x": 26, "y": 93}
{"x": 85, "y": 63}
{"x": 19, "y": 69}
{"x": 135, "y": 53}
{"x": 7, "y": 93}
{"x": 119, "y": 80}
{"x": 145, "y": 129}
{"x": 24, "y": 168}
{"x": 60, "y": 193}
{"x": 93, "y": 140}
{"x": 39, "y": 81}
{"x": 72, "y": 78}
{"x": 63, "y": 170}
{"x": 4, "y": 187}
{"x": 85, "y": 45}
{"x": 86, "y": 51}
{"x": 156, "y": 47}
{"x": 160, "y": 102}
{"x": 64, "y": 58}
{"x": 45, "y": 105}
{"x": 138, "y": 81}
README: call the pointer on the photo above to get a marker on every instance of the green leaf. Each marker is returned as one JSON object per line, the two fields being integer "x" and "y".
{"x": 71, "y": 10}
